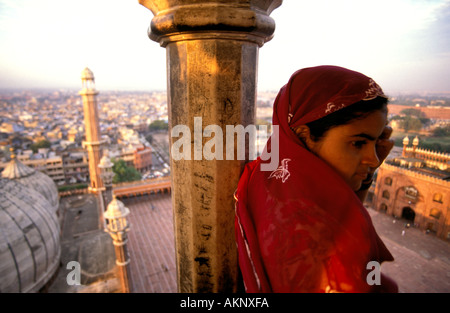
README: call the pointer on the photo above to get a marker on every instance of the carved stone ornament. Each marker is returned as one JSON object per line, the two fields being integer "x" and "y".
{"x": 176, "y": 20}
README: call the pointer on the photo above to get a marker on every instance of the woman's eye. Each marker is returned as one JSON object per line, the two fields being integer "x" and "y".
{"x": 359, "y": 143}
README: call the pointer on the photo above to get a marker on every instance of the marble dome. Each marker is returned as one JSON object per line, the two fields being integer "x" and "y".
{"x": 28, "y": 176}
{"x": 30, "y": 247}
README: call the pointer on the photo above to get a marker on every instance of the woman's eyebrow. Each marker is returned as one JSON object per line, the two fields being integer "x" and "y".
{"x": 364, "y": 135}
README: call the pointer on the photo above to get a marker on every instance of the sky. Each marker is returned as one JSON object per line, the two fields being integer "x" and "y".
{"x": 404, "y": 45}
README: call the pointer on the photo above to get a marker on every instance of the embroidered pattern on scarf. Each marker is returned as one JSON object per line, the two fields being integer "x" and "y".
{"x": 282, "y": 171}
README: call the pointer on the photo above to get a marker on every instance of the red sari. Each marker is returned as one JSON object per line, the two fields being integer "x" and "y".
{"x": 300, "y": 228}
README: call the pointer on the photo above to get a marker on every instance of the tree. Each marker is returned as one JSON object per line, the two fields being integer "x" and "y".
{"x": 412, "y": 119}
{"x": 412, "y": 112}
{"x": 442, "y": 131}
{"x": 40, "y": 144}
{"x": 158, "y": 125}
{"x": 410, "y": 123}
{"x": 124, "y": 173}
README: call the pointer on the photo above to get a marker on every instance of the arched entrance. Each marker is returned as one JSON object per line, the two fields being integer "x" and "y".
{"x": 408, "y": 214}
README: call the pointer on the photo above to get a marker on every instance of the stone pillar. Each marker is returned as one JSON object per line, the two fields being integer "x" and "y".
{"x": 212, "y": 58}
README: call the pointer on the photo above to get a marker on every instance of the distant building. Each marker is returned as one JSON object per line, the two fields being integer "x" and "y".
{"x": 76, "y": 167}
{"x": 72, "y": 135}
{"x": 139, "y": 157}
{"x": 140, "y": 127}
{"x": 68, "y": 168}
{"x": 439, "y": 113}
{"x": 143, "y": 159}
{"x": 416, "y": 187}
{"x": 51, "y": 166}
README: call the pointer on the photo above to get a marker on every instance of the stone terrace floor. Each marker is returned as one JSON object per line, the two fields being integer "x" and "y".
{"x": 151, "y": 244}
{"x": 422, "y": 261}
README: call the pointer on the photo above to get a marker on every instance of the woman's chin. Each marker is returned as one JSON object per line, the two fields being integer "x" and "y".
{"x": 356, "y": 185}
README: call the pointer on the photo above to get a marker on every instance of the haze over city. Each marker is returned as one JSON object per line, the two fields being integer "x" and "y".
{"x": 404, "y": 44}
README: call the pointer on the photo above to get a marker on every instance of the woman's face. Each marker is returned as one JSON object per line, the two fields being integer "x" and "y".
{"x": 351, "y": 149}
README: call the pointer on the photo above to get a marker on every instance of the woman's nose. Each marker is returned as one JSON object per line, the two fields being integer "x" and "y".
{"x": 371, "y": 158}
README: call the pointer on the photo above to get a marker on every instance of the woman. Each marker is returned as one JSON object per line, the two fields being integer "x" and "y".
{"x": 302, "y": 227}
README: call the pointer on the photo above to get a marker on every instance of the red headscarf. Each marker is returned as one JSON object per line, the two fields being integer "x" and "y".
{"x": 300, "y": 228}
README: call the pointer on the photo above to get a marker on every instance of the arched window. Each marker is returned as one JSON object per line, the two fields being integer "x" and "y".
{"x": 437, "y": 197}
{"x": 435, "y": 213}
{"x": 386, "y": 194}
{"x": 388, "y": 181}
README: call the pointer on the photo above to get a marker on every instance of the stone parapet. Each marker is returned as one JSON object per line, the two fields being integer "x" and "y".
{"x": 413, "y": 174}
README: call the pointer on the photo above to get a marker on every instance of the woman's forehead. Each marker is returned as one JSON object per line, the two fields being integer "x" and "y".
{"x": 371, "y": 125}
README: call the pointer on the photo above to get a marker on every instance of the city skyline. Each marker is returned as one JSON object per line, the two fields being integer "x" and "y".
{"x": 404, "y": 45}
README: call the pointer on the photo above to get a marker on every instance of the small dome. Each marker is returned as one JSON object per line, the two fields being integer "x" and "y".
{"x": 116, "y": 209}
{"x": 116, "y": 215}
{"x": 105, "y": 162}
{"x": 416, "y": 141}
{"x": 87, "y": 74}
{"x": 30, "y": 247}
{"x": 36, "y": 180}
{"x": 406, "y": 141}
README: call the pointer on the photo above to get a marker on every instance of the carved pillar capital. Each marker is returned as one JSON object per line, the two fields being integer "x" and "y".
{"x": 176, "y": 20}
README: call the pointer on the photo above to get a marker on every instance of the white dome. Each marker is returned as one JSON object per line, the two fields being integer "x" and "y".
{"x": 87, "y": 74}
{"x": 30, "y": 247}
{"x": 34, "y": 179}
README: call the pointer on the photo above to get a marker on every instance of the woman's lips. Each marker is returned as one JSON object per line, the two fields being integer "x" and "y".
{"x": 363, "y": 176}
